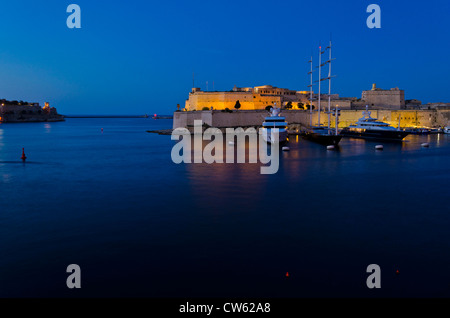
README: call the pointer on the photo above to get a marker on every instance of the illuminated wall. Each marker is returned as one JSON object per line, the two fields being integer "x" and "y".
{"x": 219, "y": 100}
{"x": 245, "y": 118}
{"x": 250, "y": 99}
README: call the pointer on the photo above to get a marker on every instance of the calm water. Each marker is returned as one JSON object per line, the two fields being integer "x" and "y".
{"x": 139, "y": 225}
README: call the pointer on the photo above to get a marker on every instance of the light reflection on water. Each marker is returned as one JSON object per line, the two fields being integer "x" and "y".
{"x": 1, "y": 139}
{"x": 117, "y": 204}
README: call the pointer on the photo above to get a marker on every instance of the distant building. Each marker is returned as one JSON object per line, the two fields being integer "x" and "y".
{"x": 270, "y": 90}
{"x": 385, "y": 99}
{"x": 413, "y": 104}
{"x": 437, "y": 106}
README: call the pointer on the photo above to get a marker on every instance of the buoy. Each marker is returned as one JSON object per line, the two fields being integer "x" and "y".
{"x": 286, "y": 149}
{"x": 23, "y": 155}
{"x": 287, "y": 275}
{"x": 331, "y": 147}
{"x": 426, "y": 145}
{"x": 379, "y": 147}
{"x": 102, "y": 130}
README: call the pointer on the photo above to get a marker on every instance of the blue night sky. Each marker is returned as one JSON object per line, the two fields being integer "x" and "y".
{"x": 136, "y": 57}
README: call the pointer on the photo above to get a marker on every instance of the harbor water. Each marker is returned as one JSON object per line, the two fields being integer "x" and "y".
{"x": 137, "y": 224}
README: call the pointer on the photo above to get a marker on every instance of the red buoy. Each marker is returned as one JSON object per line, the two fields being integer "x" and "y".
{"x": 287, "y": 275}
{"x": 23, "y": 155}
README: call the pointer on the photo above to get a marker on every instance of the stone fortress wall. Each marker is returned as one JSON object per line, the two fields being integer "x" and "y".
{"x": 248, "y": 118}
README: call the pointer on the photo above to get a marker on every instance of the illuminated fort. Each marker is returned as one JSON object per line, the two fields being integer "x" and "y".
{"x": 388, "y": 105}
{"x": 261, "y": 97}
{"x": 250, "y": 98}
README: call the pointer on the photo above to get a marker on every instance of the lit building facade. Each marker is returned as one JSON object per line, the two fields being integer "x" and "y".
{"x": 250, "y": 98}
{"x": 260, "y": 97}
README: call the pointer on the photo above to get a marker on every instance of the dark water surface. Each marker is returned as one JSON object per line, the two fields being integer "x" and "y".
{"x": 139, "y": 225}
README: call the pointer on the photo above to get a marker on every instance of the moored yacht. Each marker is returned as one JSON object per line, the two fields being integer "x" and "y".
{"x": 447, "y": 130}
{"x": 373, "y": 129}
{"x": 272, "y": 124}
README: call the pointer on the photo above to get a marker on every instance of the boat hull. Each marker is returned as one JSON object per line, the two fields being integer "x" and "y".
{"x": 268, "y": 136}
{"x": 393, "y": 135}
{"x": 419, "y": 133}
{"x": 323, "y": 139}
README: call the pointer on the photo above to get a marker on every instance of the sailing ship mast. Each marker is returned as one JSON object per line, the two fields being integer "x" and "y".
{"x": 320, "y": 80}
{"x": 320, "y": 134}
{"x": 311, "y": 93}
{"x": 328, "y": 78}
{"x": 329, "y": 84}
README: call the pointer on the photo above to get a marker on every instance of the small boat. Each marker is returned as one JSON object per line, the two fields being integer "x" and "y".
{"x": 271, "y": 124}
{"x": 373, "y": 129}
{"x": 447, "y": 130}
